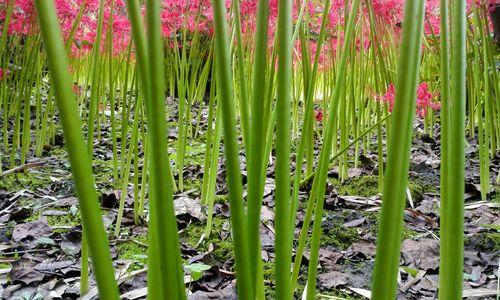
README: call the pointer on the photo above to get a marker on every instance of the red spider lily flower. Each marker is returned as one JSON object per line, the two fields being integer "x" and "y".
{"x": 389, "y": 96}
{"x": 318, "y": 115}
{"x": 4, "y": 73}
{"x": 424, "y": 99}
{"x": 77, "y": 89}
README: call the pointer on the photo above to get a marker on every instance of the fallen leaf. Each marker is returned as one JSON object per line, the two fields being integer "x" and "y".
{"x": 188, "y": 206}
{"x": 355, "y": 223}
{"x": 23, "y": 271}
{"x": 366, "y": 248}
{"x": 422, "y": 254}
{"x": 228, "y": 293}
{"x": 31, "y": 230}
{"x": 332, "y": 279}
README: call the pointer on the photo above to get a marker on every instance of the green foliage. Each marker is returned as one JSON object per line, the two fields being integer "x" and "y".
{"x": 18, "y": 181}
{"x": 196, "y": 270}
{"x": 365, "y": 186}
{"x": 130, "y": 250}
{"x": 222, "y": 248}
{"x": 4, "y": 266}
{"x": 339, "y": 237}
{"x": 484, "y": 241}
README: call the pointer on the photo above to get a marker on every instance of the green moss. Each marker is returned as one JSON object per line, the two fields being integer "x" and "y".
{"x": 367, "y": 186}
{"x": 64, "y": 220}
{"x": 220, "y": 199}
{"x": 223, "y": 248}
{"x": 34, "y": 217}
{"x": 18, "y": 181}
{"x": 133, "y": 251}
{"x": 418, "y": 187}
{"x": 4, "y": 266}
{"x": 6, "y": 230}
{"x": 224, "y": 251}
{"x": 485, "y": 241}
{"x": 190, "y": 184}
{"x": 104, "y": 174}
{"x": 339, "y": 237}
{"x": 373, "y": 219}
{"x": 334, "y": 232}
{"x": 194, "y": 152}
{"x": 338, "y": 294}
{"x": 364, "y": 186}
{"x": 496, "y": 197}
{"x": 408, "y": 233}
{"x": 56, "y": 221}
{"x": 333, "y": 181}
{"x": 268, "y": 272}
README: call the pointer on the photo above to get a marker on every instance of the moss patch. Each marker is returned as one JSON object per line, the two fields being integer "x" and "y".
{"x": 338, "y": 294}
{"x": 63, "y": 220}
{"x": 339, "y": 237}
{"x": 104, "y": 174}
{"x": 418, "y": 188}
{"x": 364, "y": 186}
{"x": 367, "y": 186}
{"x": 484, "y": 241}
{"x": 194, "y": 152}
{"x": 496, "y": 197}
{"x": 373, "y": 219}
{"x": 268, "y": 272}
{"x": 223, "y": 248}
{"x": 133, "y": 251}
{"x": 68, "y": 219}
{"x": 18, "y": 181}
{"x": 190, "y": 184}
{"x": 335, "y": 234}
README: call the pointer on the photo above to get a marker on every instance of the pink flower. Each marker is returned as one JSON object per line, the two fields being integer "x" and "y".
{"x": 318, "y": 115}
{"x": 424, "y": 99}
{"x": 390, "y": 96}
{"x": 4, "y": 73}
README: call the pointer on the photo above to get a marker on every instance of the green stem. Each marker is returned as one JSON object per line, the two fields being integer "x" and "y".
{"x": 452, "y": 205}
{"x": 398, "y": 152}
{"x": 78, "y": 156}
{"x": 238, "y": 218}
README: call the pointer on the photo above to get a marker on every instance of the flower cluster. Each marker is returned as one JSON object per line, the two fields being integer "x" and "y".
{"x": 4, "y": 73}
{"x": 424, "y": 99}
{"x": 197, "y": 15}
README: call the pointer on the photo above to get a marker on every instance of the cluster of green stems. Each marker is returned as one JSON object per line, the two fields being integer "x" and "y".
{"x": 268, "y": 102}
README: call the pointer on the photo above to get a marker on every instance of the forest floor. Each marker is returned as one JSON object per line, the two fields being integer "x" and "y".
{"x": 40, "y": 234}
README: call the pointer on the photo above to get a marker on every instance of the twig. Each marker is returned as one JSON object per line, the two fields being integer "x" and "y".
{"x": 23, "y": 168}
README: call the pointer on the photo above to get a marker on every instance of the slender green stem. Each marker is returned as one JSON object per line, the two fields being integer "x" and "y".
{"x": 445, "y": 123}
{"x": 238, "y": 218}
{"x": 164, "y": 252}
{"x": 326, "y": 149}
{"x": 78, "y": 156}
{"x": 452, "y": 205}
{"x": 398, "y": 152}
{"x": 255, "y": 153}
{"x": 284, "y": 232}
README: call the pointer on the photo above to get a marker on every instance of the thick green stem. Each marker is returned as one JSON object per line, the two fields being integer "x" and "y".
{"x": 452, "y": 203}
{"x": 398, "y": 154}
{"x": 79, "y": 158}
